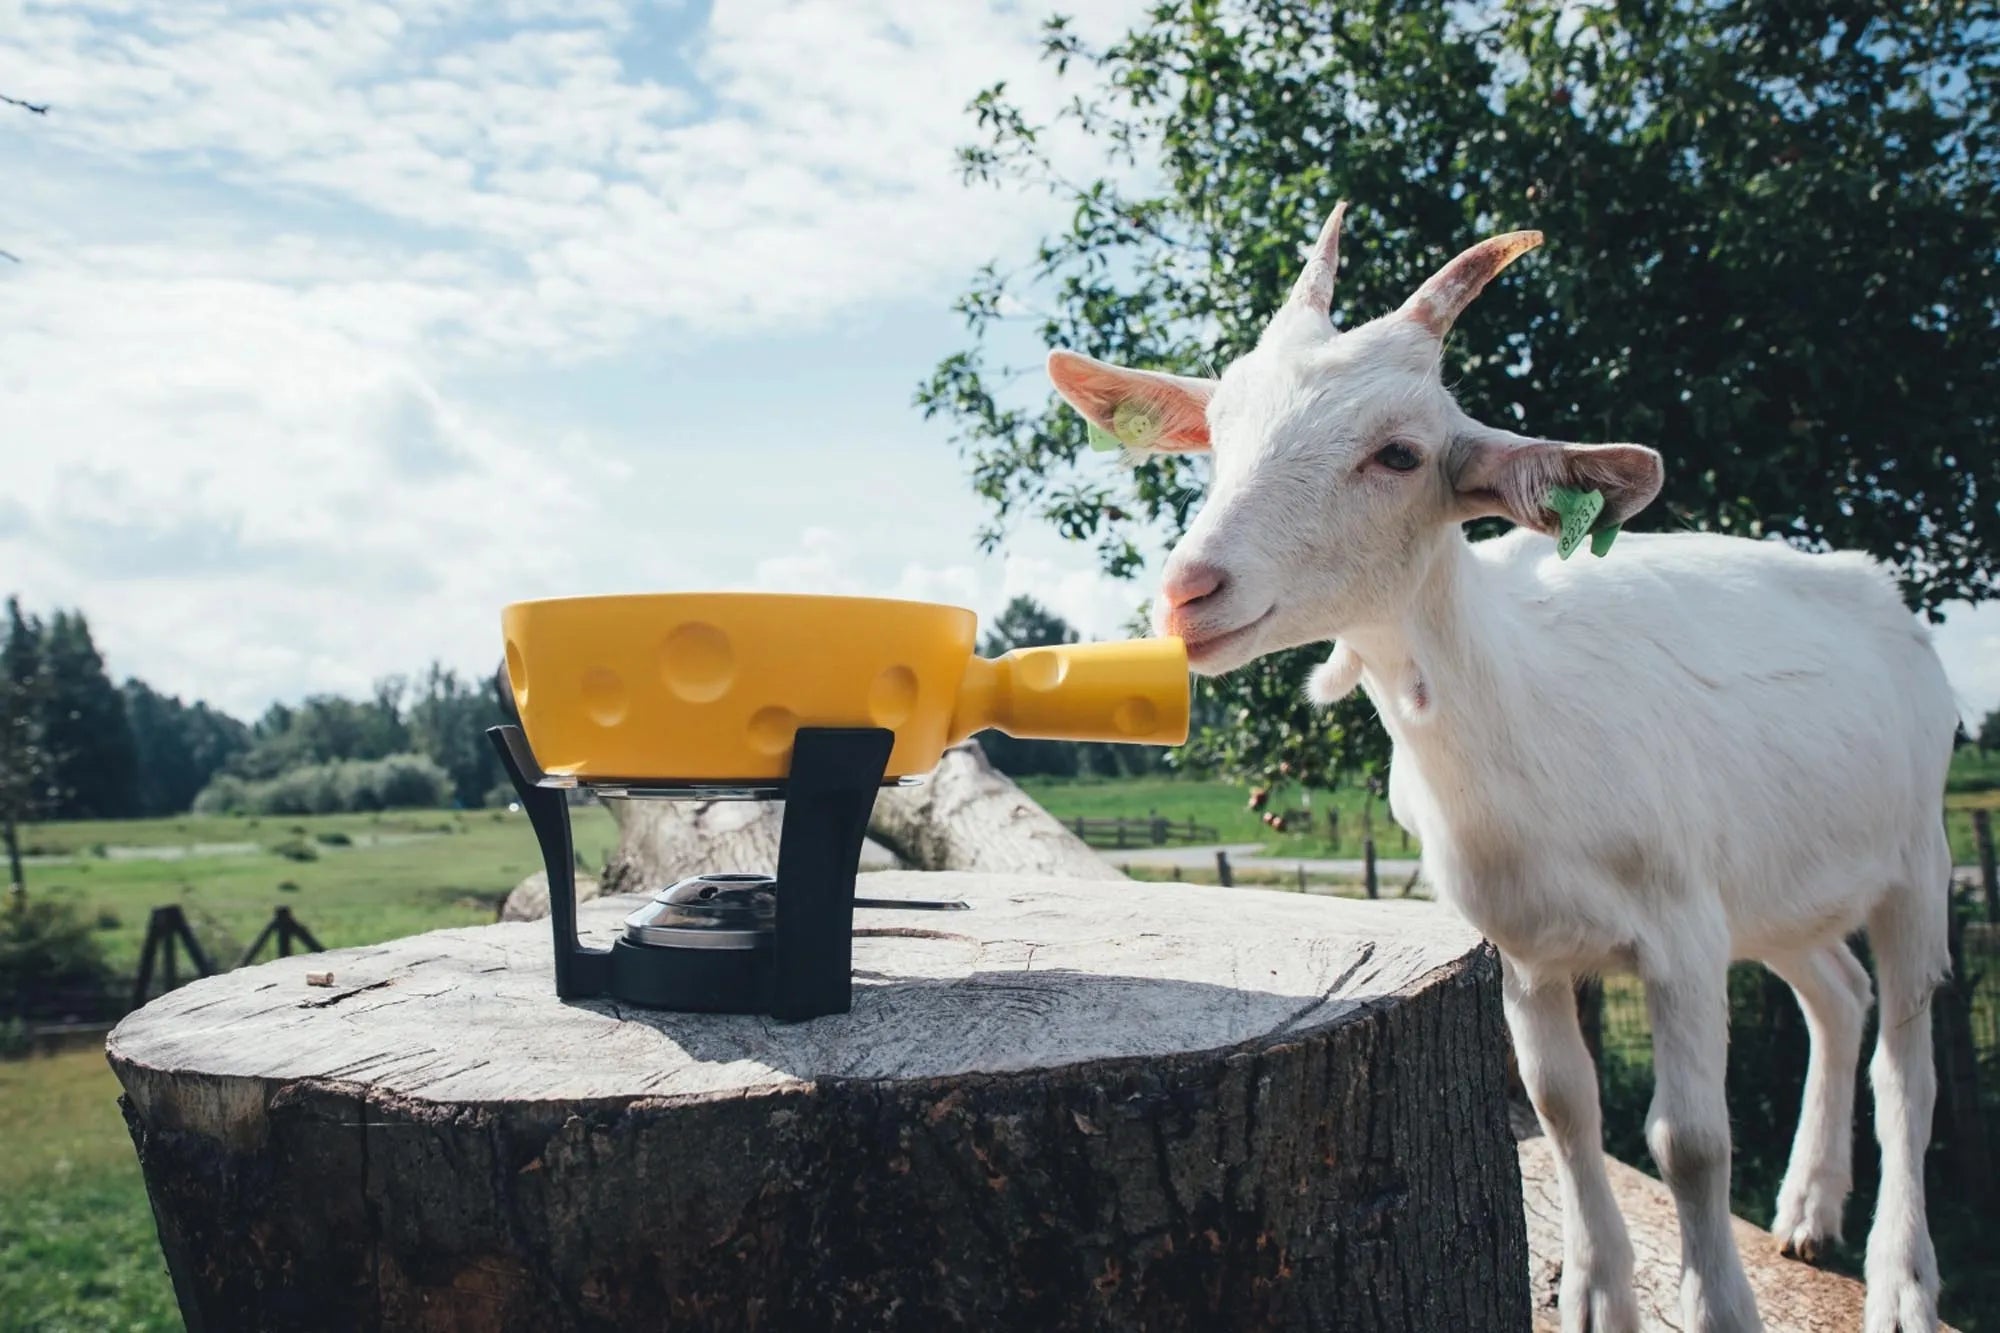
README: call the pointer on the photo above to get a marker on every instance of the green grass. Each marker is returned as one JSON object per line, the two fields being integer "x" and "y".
{"x": 1974, "y": 784}
{"x": 77, "y": 1245}
{"x": 398, "y": 874}
{"x": 1224, "y": 807}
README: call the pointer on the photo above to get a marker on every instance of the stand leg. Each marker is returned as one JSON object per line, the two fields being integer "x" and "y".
{"x": 579, "y": 971}
{"x": 835, "y": 775}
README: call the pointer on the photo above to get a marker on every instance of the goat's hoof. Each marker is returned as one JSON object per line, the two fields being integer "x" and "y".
{"x": 1593, "y": 1308}
{"x": 1902, "y": 1296}
{"x": 1805, "y": 1247}
{"x": 1808, "y": 1222}
{"x": 1903, "y": 1307}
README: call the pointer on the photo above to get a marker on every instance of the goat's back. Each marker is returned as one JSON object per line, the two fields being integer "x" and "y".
{"x": 1770, "y": 723}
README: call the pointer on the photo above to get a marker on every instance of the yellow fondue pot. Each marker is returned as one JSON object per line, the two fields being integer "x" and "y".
{"x": 710, "y": 687}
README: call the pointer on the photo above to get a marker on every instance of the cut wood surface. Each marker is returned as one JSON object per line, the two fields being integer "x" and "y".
{"x": 1792, "y": 1297}
{"x": 1077, "y": 1105}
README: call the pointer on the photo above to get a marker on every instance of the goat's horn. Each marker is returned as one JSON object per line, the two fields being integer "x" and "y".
{"x": 1447, "y": 292}
{"x": 1314, "y": 289}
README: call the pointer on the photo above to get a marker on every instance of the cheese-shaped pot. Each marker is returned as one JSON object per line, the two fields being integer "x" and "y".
{"x": 710, "y": 687}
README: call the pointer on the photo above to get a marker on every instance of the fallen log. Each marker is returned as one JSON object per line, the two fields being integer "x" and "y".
{"x": 967, "y": 815}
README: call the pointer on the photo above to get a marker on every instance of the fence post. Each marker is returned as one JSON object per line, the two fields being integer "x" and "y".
{"x": 1302, "y": 878}
{"x": 1158, "y": 828}
{"x": 1368, "y": 860}
{"x": 1222, "y": 872}
{"x": 1989, "y": 876}
{"x": 1333, "y": 828}
{"x": 1959, "y": 1113}
{"x": 165, "y": 928}
{"x": 1120, "y": 822}
{"x": 1077, "y": 824}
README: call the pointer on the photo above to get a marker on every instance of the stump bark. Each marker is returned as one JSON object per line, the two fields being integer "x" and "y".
{"x": 1079, "y": 1105}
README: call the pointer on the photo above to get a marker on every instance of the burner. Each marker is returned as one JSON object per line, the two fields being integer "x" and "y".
{"x": 728, "y": 943}
{"x": 709, "y": 912}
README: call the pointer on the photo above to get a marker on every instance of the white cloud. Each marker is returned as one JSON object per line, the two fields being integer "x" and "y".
{"x": 269, "y": 247}
{"x": 809, "y": 166}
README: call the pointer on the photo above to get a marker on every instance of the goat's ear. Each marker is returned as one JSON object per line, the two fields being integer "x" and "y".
{"x": 1174, "y": 407}
{"x": 1496, "y": 473}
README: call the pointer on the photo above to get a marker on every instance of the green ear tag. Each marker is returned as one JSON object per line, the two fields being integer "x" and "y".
{"x": 1600, "y": 540}
{"x": 1103, "y": 440}
{"x": 1577, "y": 510}
{"x": 1135, "y": 424}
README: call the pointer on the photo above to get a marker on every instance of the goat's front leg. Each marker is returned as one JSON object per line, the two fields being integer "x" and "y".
{"x": 1555, "y": 1066}
{"x": 1687, "y": 998}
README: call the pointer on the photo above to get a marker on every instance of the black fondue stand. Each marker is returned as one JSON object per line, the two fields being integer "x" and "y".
{"x": 727, "y": 943}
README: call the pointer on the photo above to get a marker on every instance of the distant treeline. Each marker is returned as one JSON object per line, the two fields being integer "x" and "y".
{"x": 104, "y": 751}
{"x": 73, "y": 745}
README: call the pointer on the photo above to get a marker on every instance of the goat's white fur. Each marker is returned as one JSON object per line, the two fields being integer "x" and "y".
{"x": 1697, "y": 749}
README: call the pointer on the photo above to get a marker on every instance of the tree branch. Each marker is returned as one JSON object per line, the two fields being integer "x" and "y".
{"x": 32, "y": 108}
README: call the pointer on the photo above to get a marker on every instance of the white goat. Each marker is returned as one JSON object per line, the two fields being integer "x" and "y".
{"x": 1693, "y": 750}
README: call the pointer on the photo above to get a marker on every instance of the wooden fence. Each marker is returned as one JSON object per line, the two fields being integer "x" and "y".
{"x": 1152, "y": 831}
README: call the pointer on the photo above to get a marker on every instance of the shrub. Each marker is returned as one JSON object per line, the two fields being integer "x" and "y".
{"x": 403, "y": 781}
{"x": 14, "y": 1041}
{"x": 295, "y": 849}
{"x": 399, "y": 781}
{"x": 108, "y": 920}
{"x": 225, "y": 795}
{"x": 287, "y": 886}
{"x": 335, "y": 838}
{"x": 47, "y": 950}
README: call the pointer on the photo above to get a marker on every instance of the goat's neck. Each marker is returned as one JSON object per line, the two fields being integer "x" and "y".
{"x": 1439, "y": 668}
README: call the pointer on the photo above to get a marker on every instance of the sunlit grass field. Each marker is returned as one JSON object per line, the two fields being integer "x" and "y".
{"x": 366, "y": 877}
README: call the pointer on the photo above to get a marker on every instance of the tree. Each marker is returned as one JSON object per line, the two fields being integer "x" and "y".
{"x": 178, "y": 747}
{"x": 325, "y": 728}
{"x": 1989, "y": 732}
{"x": 28, "y": 783}
{"x": 1772, "y": 252}
{"x": 448, "y": 720}
{"x": 96, "y": 765}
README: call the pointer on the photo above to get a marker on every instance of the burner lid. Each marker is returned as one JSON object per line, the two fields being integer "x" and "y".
{"x": 709, "y": 912}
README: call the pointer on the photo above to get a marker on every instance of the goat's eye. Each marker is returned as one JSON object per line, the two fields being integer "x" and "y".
{"x": 1398, "y": 457}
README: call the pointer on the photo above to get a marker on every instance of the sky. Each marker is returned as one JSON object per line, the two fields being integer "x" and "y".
{"x": 336, "y": 327}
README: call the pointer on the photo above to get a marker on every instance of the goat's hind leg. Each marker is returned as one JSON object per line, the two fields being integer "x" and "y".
{"x": 1906, "y": 932}
{"x": 1597, "y": 1295}
{"x": 1833, "y": 991}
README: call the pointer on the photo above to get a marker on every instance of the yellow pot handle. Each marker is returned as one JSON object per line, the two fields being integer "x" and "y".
{"x": 1134, "y": 691}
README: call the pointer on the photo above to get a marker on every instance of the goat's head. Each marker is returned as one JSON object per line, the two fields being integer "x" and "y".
{"x": 1339, "y": 459}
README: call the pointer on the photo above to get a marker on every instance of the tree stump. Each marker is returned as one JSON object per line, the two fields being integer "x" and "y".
{"x": 1079, "y": 1105}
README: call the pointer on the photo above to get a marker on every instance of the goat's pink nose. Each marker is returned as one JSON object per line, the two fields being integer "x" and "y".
{"x": 1191, "y": 583}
